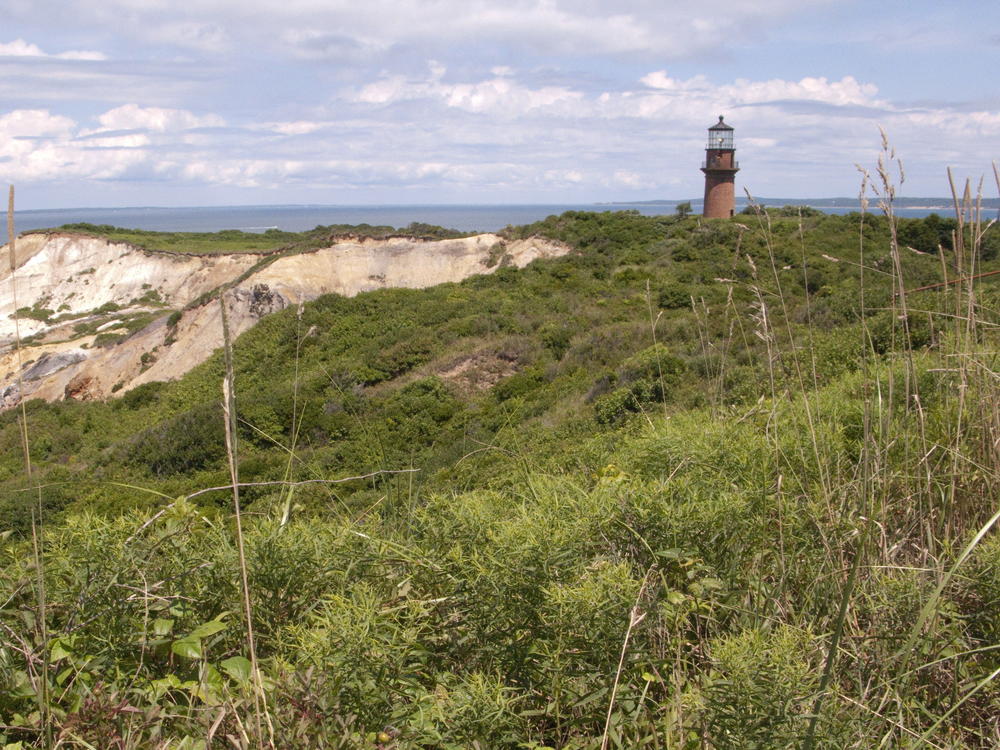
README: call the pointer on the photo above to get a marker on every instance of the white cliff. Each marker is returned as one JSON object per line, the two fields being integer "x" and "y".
{"x": 93, "y": 287}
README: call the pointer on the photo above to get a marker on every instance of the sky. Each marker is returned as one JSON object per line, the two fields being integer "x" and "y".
{"x": 242, "y": 102}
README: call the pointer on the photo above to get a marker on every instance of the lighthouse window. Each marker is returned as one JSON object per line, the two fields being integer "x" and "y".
{"x": 720, "y": 139}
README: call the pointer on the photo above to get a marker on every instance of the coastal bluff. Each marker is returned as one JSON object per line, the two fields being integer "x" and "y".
{"x": 98, "y": 317}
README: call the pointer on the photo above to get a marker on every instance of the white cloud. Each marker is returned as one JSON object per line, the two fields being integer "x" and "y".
{"x": 325, "y": 29}
{"x": 21, "y": 48}
{"x": 661, "y": 96}
{"x": 34, "y": 123}
{"x": 659, "y": 79}
{"x": 846, "y": 91}
{"x": 635, "y": 139}
{"x": 209, "y": 37}
{"x": 630, "y": 179}
{"x": 157, "y": 119}
{"x": 36, "y": 145}
{"x": 760, "y": 143}
{"x": 500, "y": 95}
{"x": 839, "y": 93}
{"x": 299, "y": 127}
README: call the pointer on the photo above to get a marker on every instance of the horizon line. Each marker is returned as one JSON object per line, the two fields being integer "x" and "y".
{"x": 839, "y": 201}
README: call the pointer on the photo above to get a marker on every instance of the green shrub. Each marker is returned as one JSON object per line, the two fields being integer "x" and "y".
{"x": 35, "y": 313}
{"x": 980, "y": 594}
{"x": 613, "y": 408}
{"x": 518, "y": 385}
{"x": 555, "y": 336}
{"x": 189, "y": 442}
{"x": 673, "y": 296}
{"x": 401, "y": 357}
{"x": 888, "y": 331}
{"x": 646, "y": 377}
{"x": 107, "y": 339}
{"x": 141, "y": 396}
{"x": 761, "y": 690}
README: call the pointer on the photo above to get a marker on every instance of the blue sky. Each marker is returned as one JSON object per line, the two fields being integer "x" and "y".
{"x": 222, "y": 102}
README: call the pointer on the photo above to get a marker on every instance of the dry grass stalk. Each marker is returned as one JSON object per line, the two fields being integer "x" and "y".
{"x": 229, "y": 412}
{"x": 41, "y": 691}
{"x": 652, "y": 332}
{"x": 764, "y": 221}
{"x": 636, "y": 616}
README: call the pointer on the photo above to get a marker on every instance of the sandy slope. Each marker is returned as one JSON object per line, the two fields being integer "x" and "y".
{"x": 75, "y": 275}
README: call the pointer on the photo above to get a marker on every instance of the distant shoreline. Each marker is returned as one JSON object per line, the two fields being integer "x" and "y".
{"x": 464, "y": 218}
{"x": 922, "y": 204}
{"x": 928, "y": 203}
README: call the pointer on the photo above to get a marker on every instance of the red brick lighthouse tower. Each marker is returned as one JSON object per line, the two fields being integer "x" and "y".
{"x": 720, "y": 170}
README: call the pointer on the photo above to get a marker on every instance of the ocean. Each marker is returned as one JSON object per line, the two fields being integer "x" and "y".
{"x": 296, "y": 218}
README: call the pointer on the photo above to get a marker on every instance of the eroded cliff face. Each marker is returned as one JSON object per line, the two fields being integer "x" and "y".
{"x": 101, "y": 317}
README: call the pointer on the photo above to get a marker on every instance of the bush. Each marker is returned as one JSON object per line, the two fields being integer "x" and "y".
{"x": 400, "y": 358}
{"x": 888, "y": 332}
{"x": 141, "y": 396}
{"x": 518, "y": 385}
{"x": 189, "y": 442}
{"x": 673, "y": 296}
{"x": 555, "y": 337}
{"x": 761, "y": 690}
{"x": 613, "y": 408}
{"x": 35, "y": 313}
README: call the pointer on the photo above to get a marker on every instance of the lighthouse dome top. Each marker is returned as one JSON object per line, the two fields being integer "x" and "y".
{"x": 720, "y": 137}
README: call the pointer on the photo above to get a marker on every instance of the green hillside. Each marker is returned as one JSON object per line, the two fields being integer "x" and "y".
{"x": 695, "y": 484}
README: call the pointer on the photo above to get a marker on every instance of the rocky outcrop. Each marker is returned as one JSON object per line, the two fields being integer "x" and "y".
{"x": 103, "y": 317}
{"x": 82, "y": 387}
{"x": 52, "y": 362}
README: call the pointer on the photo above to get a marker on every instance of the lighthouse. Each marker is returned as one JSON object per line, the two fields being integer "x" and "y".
{"x": 720, "y": 168}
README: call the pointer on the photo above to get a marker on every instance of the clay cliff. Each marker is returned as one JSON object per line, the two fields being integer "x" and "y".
{"x": 97, "y": 318}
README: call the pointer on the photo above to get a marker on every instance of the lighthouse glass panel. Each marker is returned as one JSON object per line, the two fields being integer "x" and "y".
{"x": 720, "y": 139}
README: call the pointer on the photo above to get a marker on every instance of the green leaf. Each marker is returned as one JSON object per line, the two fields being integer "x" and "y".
{"x": 238, "y": 668}
{"x": 162, "y": 627}
{"x": 163, "y": 685}
{"x": 207, "y": 628}
{"x": 189, "y": 648}
{"x": 210, "y": 686}
{"x": 60, "y": 649}
{"x": 675, "y": 597}
{"x": 212, "y": 677}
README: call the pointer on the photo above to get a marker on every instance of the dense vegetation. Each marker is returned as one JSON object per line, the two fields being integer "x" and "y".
{"x": 698, "y": 484}
{"x": 236, "y": 241}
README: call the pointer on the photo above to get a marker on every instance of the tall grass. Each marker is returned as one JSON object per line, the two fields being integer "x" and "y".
{"x": 41, "y": 617}
{"x": 229, "y": 414}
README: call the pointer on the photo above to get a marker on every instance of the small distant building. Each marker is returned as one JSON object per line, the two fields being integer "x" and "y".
{"x": 720, "y": 168}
